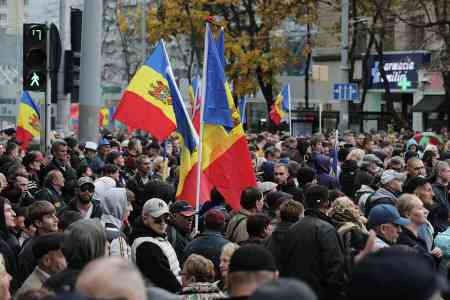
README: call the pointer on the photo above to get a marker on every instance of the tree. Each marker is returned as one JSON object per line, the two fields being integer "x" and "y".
{"x": 255, "y": 45}
{"x": 435, "y": 18}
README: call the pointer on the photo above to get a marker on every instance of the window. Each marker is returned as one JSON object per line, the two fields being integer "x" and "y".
{"x": 416, "y": 35}
{"x": 3, "y": 19}
{"x": 3, "y": 3}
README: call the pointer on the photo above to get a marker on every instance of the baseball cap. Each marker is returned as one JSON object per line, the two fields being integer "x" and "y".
{"x": 394, "y": 273}
{"x": 266, "y": 186}
{"x": 182, "y": 207}
{"x": 103, "y": 142}
{"x": 284, "y": 288}
{"x": 391, "y": 175}
{"x": 91, "y": 146}
{"x": 252, "y": 258}
{"x": 414, "y": 183}
{"x": 214, "y": 217}
{"x": 85, "y": 180}
{"x": 155, "y": 207}
{"x": 384, "y": 214}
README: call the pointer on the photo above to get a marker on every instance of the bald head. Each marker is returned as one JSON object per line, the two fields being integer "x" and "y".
{"x": 111, "y": 277}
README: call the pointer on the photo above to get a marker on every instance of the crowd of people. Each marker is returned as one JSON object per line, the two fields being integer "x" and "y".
{"x": 362, "y": 217}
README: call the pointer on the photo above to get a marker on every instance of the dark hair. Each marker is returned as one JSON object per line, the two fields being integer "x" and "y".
{"x": 290, "y": 211}
{"x": 305, "y": 175}
{"x": 427, "y": 158}
{"x": 249, "y": 197}
{"x": 10, "y": 147}
{"x": 67, "y": 217}
{"x": 216, "y": 196}
{"x": 257, "y": 224}
{"x": 38, "y": 209}
{"x": 315, "y": 196}
{"x": 82, "y": 169}
{"x": 109, "y": 169}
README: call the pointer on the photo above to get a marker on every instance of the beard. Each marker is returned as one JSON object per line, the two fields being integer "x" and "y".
{"x": 85, "y": 200}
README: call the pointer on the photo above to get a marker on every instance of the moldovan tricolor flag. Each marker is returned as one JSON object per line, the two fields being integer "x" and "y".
{"x": 281, "y": 106}
{"x": 146, "y": 103}
{"x": 103, "y": 117}
{"x": 225, "y": 156}
{"x": 28, "y": 125}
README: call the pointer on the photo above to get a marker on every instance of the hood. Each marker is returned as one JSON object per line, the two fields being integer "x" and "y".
{"x": 365, "y": 188}
{"x": 383, "y": 193}
{"x": 84, "y": 241}
{"x": 349, "y": 165}
{"x": 101, "y": 186}
{"x": 322, "y": 164}
{"x": 410, "y": 143}
{"x": 115, "y": 202}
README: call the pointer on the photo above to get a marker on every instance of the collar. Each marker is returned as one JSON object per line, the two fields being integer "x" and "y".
{"x": 41, "y": 273}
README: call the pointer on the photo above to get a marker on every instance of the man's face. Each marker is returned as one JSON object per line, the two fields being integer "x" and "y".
{"x": 159, "y": 225}
{"x": 90, "y": 153}
{"x": 9, "y": 216}
{"x": 36, "y": 165}
{"x": 20, "y": 222}
{"x": 418, "y": 214}
{"x": 416, "y": 168}
{"x": 224, "y": 263}
{"x": 22, "y": 183}
{"x": 444, "y": 173}
{"x": 55, "y": 261}
{"x": 103, "y": 150}
{"x": 48, "y": 223}
{"x": 281, "y": 175}
{"x": 390, "y": 232}
{"x": 395, "y": 185}
{"x": 183, "y": 222}
{"x": 60, "y": 152}
{"x": 425, "y": 193}
{"x": 145, "y": 166}
{"x": 120, "y": 161}
{"x": 58, "y": 180}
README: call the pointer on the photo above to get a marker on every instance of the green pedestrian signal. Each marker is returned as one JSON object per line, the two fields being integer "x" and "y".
{"x": 34, "y": 57}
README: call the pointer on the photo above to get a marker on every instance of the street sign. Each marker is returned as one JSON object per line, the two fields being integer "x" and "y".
{"x": 345, "y": 92}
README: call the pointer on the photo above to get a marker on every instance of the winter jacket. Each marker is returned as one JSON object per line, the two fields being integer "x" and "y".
{"x": 208, "y": 244}
{"x": 361, "y": 196}
{"x": 381, "y": 196}
{"x": 52, "y": 196}
{"x": 97, "y": 165}
{"x": 349, "y": 171}
{"x": 178, "y": 240}
{"x": 153, "y": 261}
{"x": 408, "y": 238}
{"x": 323, "y": 167}
{"x": 102, "y": 185}
{"x": 276, "y": 241}
{"x": 70, "y": 177}
{"x": 237, "y": 227}
{"x": 201, "y": 291}
{"x": 97, "y": 208}
{"x": 313, "y": 252}
{"x": 291, "y": 189}
{"x": 26, "y": 261}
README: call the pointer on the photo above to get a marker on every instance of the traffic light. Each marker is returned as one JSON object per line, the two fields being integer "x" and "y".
{"x": 72, "y": 57}
{"x": 34, "y": 57}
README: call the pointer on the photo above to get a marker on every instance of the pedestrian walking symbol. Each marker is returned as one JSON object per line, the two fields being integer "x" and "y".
{"x": 34, "y": 80}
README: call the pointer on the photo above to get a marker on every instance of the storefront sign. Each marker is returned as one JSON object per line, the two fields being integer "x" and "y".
{"x": 401, "y": 70}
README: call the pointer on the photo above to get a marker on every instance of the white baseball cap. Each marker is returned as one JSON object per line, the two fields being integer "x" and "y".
{"x": 90, "y": 146}
{"x": 155, "y": 207}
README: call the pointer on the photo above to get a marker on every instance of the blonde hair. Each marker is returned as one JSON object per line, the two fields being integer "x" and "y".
{"x": 229, "y": 249}
{"x": 356, "y": 154}
{"x": 199, "y": 268}
{"x": 406, "y": 204}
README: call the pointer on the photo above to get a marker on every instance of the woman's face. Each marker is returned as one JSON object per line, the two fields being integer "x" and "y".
{"x": 224, "y": 263}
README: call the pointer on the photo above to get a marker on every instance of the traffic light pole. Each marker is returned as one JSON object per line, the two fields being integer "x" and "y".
{"x": 343, "y": 106}
{"x": 63, "y": 101}
{"x": 90, "y": 89}
{"x": 46, "y": 107}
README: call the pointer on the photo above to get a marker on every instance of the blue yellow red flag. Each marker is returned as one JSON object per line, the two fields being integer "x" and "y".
{"x": 147, "y": 103}
{"x": 281, "y": 106}
{"x": 225, "y": 156}
{"x": 103, "y": 117}
{"x": 28, "y": 125}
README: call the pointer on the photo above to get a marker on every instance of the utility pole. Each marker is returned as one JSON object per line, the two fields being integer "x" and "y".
{"x": 308, "y": 62}
{"x": 90, "y": 89}
{"x": 63, "y": 105}
{"x": 343, "y": 111}
{"x": 143, "y": 30}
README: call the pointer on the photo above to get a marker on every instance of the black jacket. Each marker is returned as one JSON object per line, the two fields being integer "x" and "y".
{"x": 275, "y": 242}
{"x": 26, "y": 262}
{"x": 152, "y": 262}
{"x": 70, "y": 176}
{"x": 313, "y": 252}
{"x": 408, "y": 238}
{"x": 97, "y": 209}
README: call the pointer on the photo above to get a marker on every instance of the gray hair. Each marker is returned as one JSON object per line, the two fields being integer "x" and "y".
{"x": 84, "y": 241}
{"x": 111, "y": 277}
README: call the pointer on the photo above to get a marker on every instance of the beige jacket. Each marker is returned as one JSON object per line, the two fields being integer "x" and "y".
{"x": 237, "y": 227}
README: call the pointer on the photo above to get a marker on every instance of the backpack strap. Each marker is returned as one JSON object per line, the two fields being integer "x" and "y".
{"x": 236, "y": 226}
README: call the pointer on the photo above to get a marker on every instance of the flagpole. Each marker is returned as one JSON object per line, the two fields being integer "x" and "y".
{"x": 200, "y": 145}
{"x": 290, "y": 113}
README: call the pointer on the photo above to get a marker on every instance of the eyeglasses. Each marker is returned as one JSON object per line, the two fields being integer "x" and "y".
{"x": 160, "y": 220}
{"x": 87, "y": 188}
